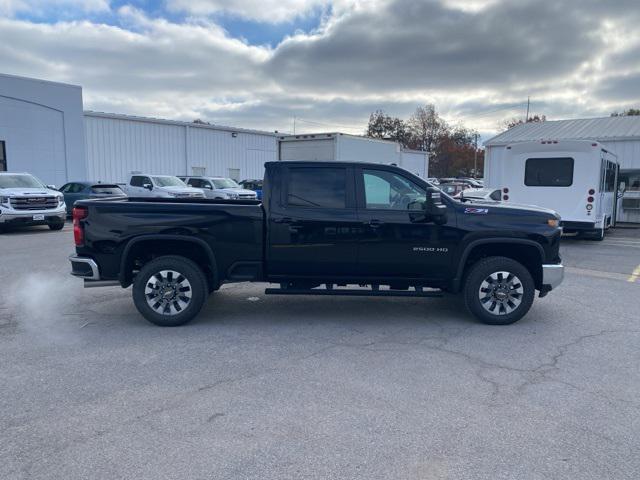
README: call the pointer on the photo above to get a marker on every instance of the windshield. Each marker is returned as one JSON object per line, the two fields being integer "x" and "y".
{"x": 20, "y": 181}
{"x": 168, "y": 182}
{"x": 224, "y": 183}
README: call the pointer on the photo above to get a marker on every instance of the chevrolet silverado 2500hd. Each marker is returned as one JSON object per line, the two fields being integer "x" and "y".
{"x": 320, "y": 228}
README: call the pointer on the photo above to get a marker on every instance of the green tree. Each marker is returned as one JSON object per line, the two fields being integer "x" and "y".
{"x": 386, "y": 127}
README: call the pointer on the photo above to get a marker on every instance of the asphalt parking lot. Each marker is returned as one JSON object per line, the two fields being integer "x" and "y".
{"x": 292, "y": 388}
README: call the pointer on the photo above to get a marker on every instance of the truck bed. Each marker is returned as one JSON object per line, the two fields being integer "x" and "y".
{"x": 232, "y": 229}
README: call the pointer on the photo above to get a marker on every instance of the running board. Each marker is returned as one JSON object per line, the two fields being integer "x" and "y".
{"x": 354, "y": 292}
{"x": 101, "y": 283}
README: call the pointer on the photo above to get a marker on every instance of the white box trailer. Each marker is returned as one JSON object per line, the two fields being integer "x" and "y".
{"x": 340, "y": 147}
{"x": 576, "y": 178}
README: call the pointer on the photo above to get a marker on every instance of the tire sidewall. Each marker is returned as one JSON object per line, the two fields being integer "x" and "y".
{"x": 482, "y": 270}
{"x": 185, "y": 267}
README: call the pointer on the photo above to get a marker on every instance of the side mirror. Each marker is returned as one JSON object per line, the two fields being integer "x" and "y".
{"x": 148, "y": 186}
{"x": 207, "y": 186}
{"x": 436, "y": 211}
{"x": 429, "y": 210}
{"x": 51, "y": 187}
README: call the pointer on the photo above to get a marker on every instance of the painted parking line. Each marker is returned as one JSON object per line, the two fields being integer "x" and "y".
{"x": 598, "y": 273}
{"x": 634, "y": 275}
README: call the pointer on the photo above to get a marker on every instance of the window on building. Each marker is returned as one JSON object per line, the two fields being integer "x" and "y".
{"x": 631, "y": 179}
{"x": 549, "y": 172}
{"x": 390, "y": 191}
{"x": 3, "y": 157}
{"x": 317, "y": 187}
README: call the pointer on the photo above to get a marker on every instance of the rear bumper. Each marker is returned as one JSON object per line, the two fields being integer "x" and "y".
{"x": 552, "y": 275}
{"x": 87, "y": 269}
{"x": 577, "y": 226}
{"x": 84, "y": 267}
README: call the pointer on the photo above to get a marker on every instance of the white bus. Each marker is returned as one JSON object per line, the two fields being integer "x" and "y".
{"x": 576, "y": 178}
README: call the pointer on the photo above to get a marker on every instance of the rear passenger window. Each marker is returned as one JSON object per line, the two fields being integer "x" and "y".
{"x": 317, "y": 187}
{"x": 549, "y": 172}
{"x": 136, "y": 181}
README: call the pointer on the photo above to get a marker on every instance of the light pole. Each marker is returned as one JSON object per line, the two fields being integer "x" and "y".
{"x": 475, "y": 157}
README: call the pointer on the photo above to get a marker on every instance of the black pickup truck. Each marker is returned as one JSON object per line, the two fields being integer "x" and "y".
{"x": 321, "y": 229}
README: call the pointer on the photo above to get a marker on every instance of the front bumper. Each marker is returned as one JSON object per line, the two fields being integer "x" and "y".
{"x": 14, "y": 217}
{"x": 552, "y": 275}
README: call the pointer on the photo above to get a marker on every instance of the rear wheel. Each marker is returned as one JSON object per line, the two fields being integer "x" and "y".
{"x": 499, "y": 290}
{"x": 169, "y": 291}
{"x": 597, "y": 235}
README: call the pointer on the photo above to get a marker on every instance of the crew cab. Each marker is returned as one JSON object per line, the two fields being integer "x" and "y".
{"x": 322, "y": 229}
{"x": 25, "y": 200}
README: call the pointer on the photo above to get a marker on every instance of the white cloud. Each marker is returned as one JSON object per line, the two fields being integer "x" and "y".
{"x": 477, "y": 64}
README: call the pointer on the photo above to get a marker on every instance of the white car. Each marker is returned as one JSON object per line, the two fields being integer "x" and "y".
{"x": 489, "y": 194}
{"x": 160, "y": 186}
{"x": 221, "y": 188}
{"x": 25, "y": 200}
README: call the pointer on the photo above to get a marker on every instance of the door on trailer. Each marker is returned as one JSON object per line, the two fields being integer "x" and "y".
{"x": 608, "y": 192}
{"x": 313, "y": 228}
{"x": 391, "y": 244}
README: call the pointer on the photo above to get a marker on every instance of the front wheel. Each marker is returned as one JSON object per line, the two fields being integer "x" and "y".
{"x": 499, "y": 290}
{"x": 169, "y": 291}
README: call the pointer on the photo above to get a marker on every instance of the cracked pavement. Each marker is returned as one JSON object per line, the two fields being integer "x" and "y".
{"x": 310, "y": 387}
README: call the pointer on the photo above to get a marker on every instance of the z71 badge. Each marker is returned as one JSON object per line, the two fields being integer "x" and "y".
{"x": 477, "y": 211}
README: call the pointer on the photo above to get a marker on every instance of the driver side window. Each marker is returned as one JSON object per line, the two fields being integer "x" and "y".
{"x": 388, "y": 191}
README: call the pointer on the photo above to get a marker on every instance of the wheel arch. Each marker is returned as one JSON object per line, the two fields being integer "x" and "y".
{"x": 527, "y": 252}
{"x": 147, "y": 247}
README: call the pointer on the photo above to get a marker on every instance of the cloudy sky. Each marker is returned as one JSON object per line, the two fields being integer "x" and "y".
{"x": 329, "y": 63}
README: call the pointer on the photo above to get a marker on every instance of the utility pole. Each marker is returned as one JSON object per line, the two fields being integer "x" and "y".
{"x": 475, "y": 157}
{"x": 526, "y": 119}
{"x": 294, "y": 124}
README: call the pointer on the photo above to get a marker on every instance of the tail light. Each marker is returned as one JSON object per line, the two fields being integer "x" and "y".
{"x": 79, "y": 213}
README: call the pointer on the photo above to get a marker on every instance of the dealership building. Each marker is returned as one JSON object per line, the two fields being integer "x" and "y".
{"x": 44, "y": 130}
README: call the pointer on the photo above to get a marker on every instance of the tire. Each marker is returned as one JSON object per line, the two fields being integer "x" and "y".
{"x": 597, "y": 235}
{"x": 161, "y": 291}
{"x": 56, "y": 226}
{"x": 505, "y": 303}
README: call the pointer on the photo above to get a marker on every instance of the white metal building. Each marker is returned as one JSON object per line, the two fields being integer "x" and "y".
{"x": 116, "y": 145}
{"x": 351, "y": 148}
{"x": 41, "y": 129}
{"x": 620, "y": 135}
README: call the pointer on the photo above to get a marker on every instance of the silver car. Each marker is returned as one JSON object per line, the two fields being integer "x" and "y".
{"x": 220, "y": 188}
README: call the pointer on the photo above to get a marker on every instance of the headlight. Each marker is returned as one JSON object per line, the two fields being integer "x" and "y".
{"x": 61, "y": 201}
{"x": 4, "y": 201}
{"x": 553, "y": 222}
{"x": 233, "y": 196}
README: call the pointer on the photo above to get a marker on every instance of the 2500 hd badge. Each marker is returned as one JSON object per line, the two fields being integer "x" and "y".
{"x": 431, "y": 249}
